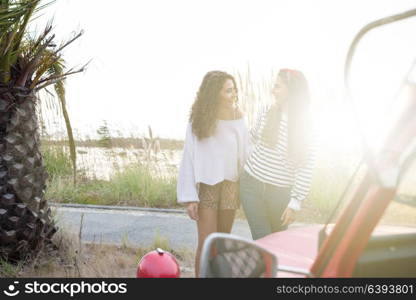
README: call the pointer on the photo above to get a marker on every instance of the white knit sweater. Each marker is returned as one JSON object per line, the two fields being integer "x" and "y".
{"x": 213, "y": 159}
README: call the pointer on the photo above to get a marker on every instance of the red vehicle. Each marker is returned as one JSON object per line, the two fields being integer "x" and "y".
{"x": 354, "y": 246}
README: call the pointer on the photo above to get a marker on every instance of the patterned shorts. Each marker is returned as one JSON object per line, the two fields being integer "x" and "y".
{"x": 223, "y": 195}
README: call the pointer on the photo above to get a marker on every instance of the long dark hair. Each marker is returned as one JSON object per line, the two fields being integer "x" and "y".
{"x": 205, "y": 108}
{"x": 299, "y": 121}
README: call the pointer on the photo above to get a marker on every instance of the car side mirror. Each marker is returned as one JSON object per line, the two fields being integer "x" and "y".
{"x": 226, "y": 256}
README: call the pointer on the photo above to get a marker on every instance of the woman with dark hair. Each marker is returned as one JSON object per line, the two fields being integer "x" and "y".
{"x": 214, "y": 154}
{"x": 277, "y": 174}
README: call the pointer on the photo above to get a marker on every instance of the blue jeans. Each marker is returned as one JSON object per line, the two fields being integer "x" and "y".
{"x": 263, "y": 205}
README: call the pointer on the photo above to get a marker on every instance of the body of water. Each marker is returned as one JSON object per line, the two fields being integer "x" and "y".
{"x": 102, "y": 163}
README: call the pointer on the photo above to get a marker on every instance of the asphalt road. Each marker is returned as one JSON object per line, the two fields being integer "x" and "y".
{"x": 137, "y": 228}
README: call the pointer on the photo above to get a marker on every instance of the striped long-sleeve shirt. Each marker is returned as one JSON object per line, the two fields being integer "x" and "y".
{"x": 272, "y": 166}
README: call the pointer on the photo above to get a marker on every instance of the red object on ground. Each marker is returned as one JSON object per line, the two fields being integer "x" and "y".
{"x": 158, "y": 264}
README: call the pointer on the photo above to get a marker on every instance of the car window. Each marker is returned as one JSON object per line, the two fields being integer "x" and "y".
{"x": 372, "y": 89}
{"x": 402, "y": 211}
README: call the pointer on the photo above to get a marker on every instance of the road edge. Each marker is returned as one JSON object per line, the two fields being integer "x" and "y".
{"x": 122, "y": 208}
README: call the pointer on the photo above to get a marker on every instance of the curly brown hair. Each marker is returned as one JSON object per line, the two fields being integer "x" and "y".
{"x": 204, "y": 110}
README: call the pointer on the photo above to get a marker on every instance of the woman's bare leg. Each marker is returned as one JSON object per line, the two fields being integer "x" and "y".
{"x": 225, "y": 220}
{"x": 207, "y": 224}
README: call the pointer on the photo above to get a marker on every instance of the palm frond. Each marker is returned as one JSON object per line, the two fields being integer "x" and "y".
{"x": 14, "y": 19}
{"x": 55, "y": 67}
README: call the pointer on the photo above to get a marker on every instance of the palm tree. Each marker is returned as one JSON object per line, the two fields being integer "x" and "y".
{"x": 27, "y": 65}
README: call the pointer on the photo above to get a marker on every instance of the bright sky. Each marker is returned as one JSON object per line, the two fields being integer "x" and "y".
{"x": 149, "y": 57}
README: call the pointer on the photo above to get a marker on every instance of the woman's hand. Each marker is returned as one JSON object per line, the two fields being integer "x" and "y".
{"x": 192, "y": 209}
{"x": 288, "y": 216}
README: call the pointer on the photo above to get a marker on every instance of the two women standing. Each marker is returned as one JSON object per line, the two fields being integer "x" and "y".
{"x": 269, "y": 169}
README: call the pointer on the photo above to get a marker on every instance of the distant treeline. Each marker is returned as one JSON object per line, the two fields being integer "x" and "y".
{"x": 137, "y": 143}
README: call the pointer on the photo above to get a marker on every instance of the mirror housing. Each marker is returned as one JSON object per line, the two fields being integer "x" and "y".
{"x": 228, "y": 256}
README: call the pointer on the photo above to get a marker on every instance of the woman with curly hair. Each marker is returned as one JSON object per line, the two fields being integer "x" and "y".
{"x": 214, "y": 154}
{"x": 277, "y": 174}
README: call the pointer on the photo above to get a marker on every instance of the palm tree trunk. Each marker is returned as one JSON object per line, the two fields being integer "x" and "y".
{"x": 25, "y": 217}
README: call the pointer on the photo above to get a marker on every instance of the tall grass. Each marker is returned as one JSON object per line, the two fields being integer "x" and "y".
{"x": 57, "y": 161}
{"x": 142, "y": 182}
{"x": 137, "y": 183}
{"x": 330, "y": 179}
{"x": 133, "y": 186}
{"x": 252, "y": 94}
